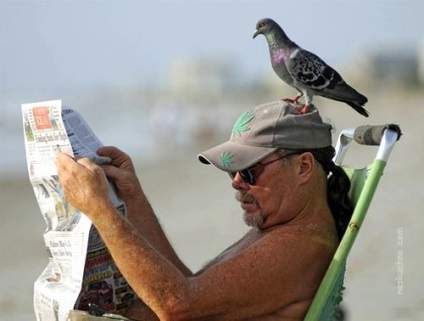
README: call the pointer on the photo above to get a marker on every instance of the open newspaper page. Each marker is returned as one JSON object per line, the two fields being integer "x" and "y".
{"x": 80, "y": 270}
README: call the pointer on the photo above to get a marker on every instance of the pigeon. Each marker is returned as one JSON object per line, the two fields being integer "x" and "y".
{"x": 305, "y": 71}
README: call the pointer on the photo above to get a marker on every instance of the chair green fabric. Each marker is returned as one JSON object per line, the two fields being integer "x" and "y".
{"x": 364, "y": 183}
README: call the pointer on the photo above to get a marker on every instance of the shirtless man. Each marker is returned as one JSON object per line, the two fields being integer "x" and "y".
{"x": 279, "y": 163}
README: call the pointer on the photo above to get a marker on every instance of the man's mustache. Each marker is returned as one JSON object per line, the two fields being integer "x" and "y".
{"x": 241, "y": 197}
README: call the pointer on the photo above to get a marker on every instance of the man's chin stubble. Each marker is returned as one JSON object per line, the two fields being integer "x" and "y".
{"x": 255, "y": 219}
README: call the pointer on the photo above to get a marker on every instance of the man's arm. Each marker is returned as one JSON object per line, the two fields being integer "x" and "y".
{"x": 139, "y": 211}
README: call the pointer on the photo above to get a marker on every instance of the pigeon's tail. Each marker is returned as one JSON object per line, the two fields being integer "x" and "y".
{"x": 358, "y": 107}
{"x": 347, "y": 94}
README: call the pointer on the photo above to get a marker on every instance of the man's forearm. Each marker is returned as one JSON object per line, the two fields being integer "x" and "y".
{"x": 142, "y": 265}
{"x": 144, "y": 220}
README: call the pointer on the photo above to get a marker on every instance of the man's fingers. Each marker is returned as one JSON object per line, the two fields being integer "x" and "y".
{"x": 101, "y": 160}
{"x": 63, "y": 160}
{"x": 118, "y": 157}
{"x": 110, "y": 151}
{"x": 112, "y": 172}
{"x": 66, "y": 162}
{"x": 87, "y": 163}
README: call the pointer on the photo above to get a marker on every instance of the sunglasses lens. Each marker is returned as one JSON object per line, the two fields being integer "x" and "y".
{"x": 247, "y": 176}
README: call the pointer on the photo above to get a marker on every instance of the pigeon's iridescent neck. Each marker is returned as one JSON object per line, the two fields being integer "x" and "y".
{"x": 280, "y": 55}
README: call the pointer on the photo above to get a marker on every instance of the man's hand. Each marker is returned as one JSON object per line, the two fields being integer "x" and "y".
{"x": 83, "y": 183}
{"x": 122, "y": 173}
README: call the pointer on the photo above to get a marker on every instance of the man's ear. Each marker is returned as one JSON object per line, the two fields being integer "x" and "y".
{"x": 305, "y": 164}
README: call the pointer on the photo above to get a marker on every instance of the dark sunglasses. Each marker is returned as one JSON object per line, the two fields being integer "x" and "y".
{"x": 250, "y": 174}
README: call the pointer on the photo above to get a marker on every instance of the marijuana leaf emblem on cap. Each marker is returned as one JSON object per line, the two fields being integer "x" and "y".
{"x": 242, "y": 123}
{"x": 226, "y": 159}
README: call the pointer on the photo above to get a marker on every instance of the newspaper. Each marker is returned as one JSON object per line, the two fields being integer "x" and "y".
{"x": 80, "y": 269}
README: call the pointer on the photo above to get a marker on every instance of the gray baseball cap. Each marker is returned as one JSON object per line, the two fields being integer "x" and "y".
{"x": 259, "y": 132}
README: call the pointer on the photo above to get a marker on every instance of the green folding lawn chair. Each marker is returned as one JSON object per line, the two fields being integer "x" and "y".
{"x": 364, "y": 182}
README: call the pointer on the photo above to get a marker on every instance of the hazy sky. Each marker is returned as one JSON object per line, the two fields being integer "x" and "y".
{"x": 56, "y": 43}
{"x": 68, "y": 49}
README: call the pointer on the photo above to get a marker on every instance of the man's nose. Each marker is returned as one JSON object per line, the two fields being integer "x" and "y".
{"x": 239, "y": 183}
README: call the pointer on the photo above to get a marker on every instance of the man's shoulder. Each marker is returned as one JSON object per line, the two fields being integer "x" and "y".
{"x": 308, "y": 238}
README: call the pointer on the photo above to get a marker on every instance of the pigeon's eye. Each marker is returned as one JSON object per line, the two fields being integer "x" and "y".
{"x": 261, "y": 24}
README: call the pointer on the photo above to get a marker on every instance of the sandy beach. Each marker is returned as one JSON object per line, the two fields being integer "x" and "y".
{"x": 195, "y": 203}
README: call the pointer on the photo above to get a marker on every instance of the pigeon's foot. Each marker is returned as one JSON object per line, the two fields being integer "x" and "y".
{"x": 301, "y": 110}
{"x": 288, "y": 100}
{"x": 304, "y": 110}
{"x": 298, "y": 107}
{"x": 292, "y": 101}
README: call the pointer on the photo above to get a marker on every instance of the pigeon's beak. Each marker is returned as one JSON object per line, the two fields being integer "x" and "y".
{"x": 257, "y": 32}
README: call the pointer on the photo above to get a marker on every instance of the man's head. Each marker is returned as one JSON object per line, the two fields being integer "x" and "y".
{"x": 263, "y": 130}
{"x": 271, "y": 157}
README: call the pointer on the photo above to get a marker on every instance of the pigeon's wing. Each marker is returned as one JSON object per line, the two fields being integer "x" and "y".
{"x": 310, "y": 71}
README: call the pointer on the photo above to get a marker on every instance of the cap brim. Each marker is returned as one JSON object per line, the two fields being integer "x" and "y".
{"x": 232, "y": 157}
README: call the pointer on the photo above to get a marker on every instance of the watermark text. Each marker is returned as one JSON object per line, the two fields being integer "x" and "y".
{"x": 399, "y": 263}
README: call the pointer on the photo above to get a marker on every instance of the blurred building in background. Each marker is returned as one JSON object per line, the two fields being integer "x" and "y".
{"x": 202, "y": 78}
{"x": 389, "y": 66}
{"x": 421, "y": 63}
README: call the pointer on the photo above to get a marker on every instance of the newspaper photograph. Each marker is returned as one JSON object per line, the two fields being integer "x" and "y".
{"x": 80, "y": 270}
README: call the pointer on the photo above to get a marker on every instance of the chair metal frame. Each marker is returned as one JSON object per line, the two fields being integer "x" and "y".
{"x": 364, "y": 184}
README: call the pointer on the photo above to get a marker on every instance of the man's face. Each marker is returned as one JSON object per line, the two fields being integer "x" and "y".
{"x": 270, "y": 196}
